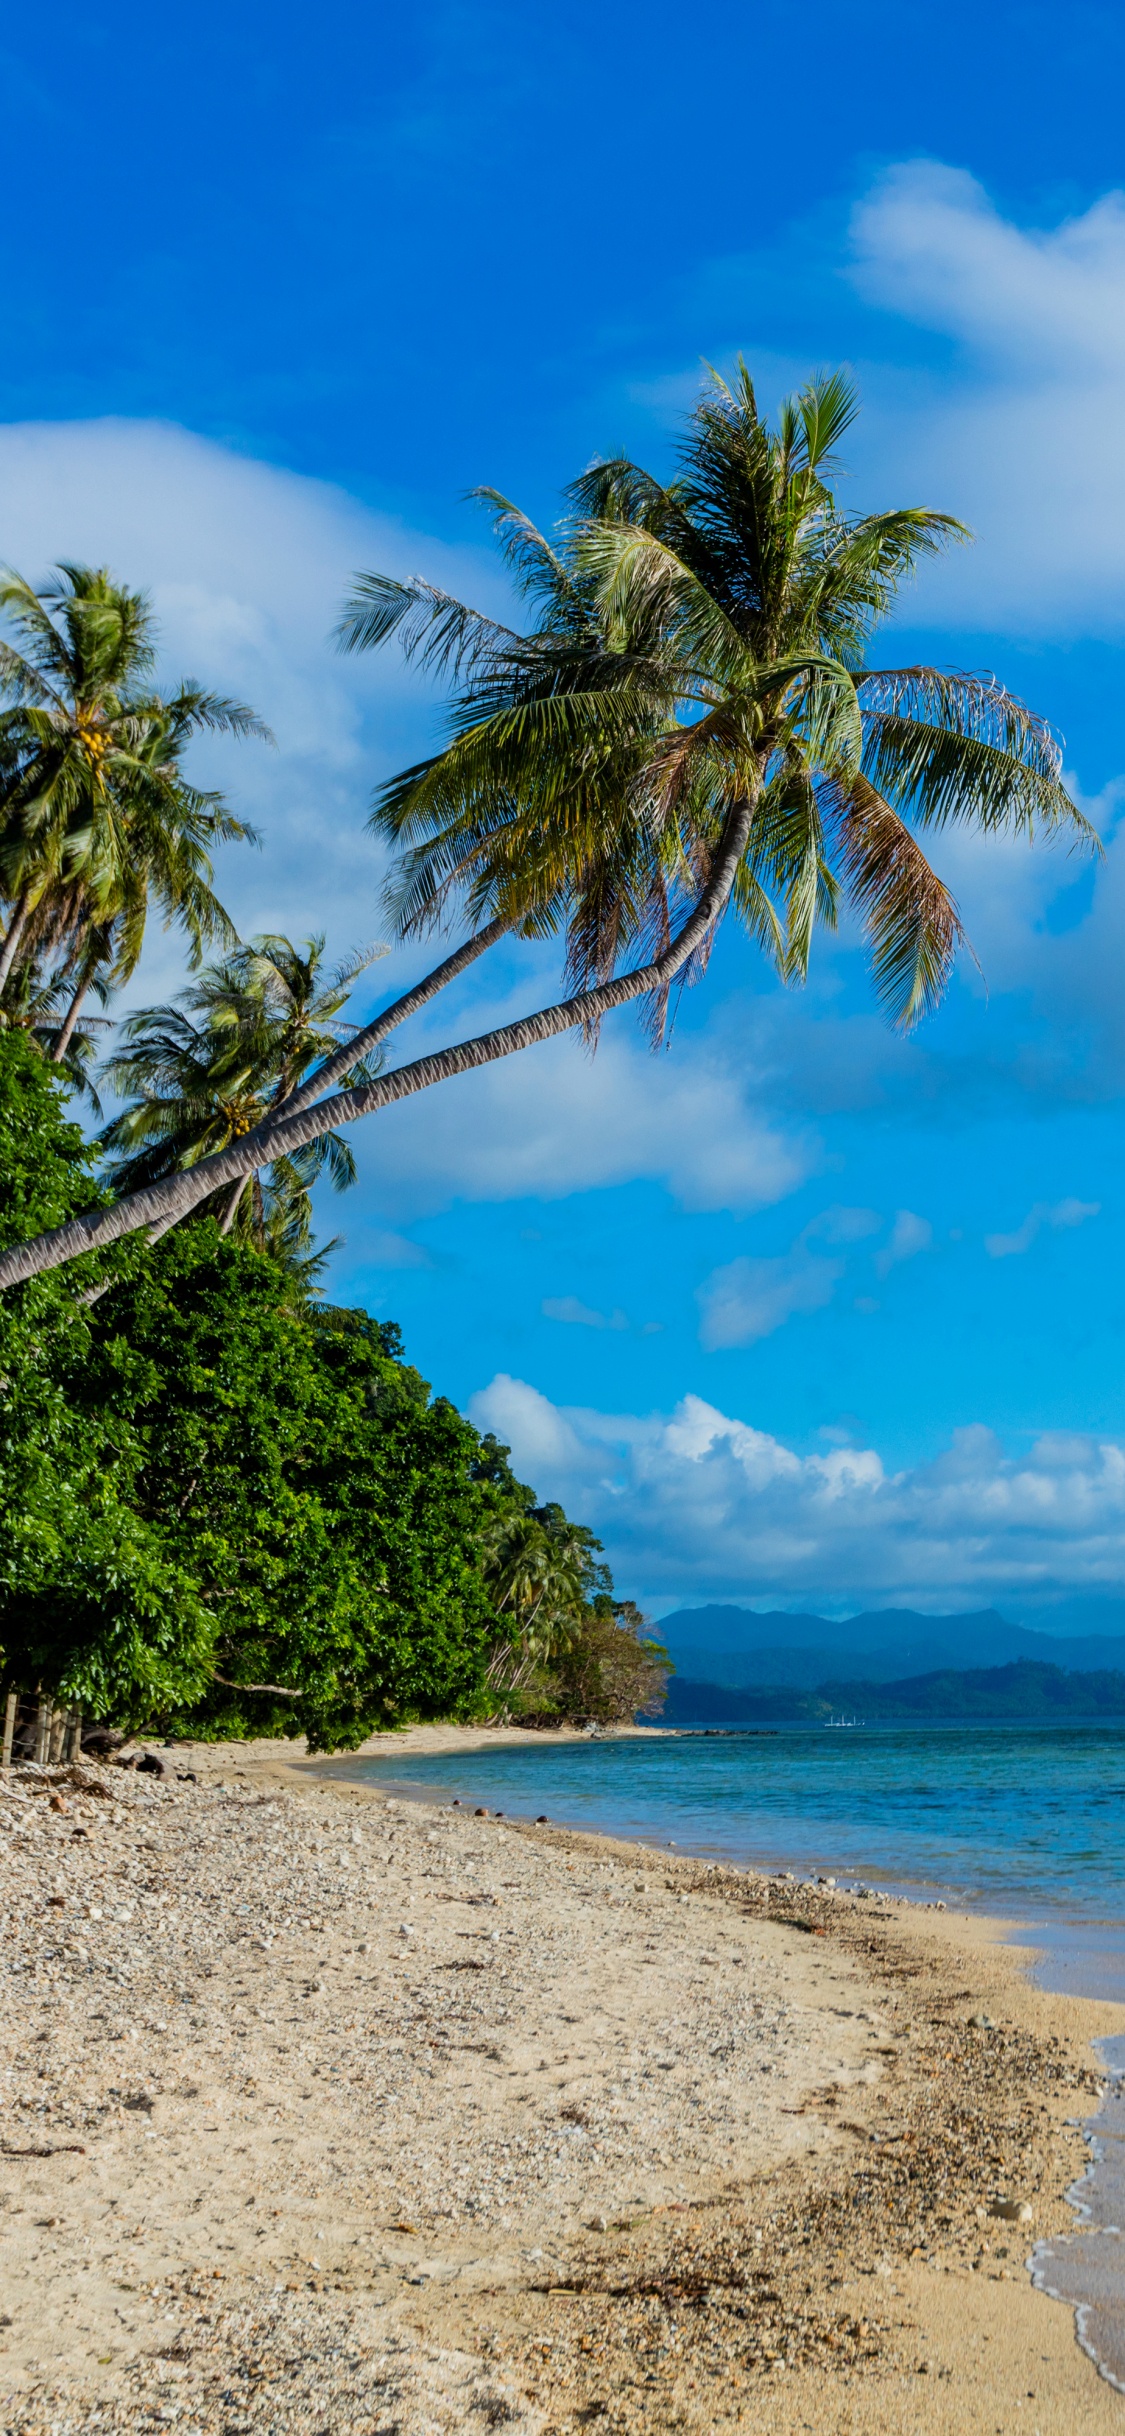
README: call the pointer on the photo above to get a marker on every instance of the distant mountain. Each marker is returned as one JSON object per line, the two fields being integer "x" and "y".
{"x": 991, "y": 1694}
{"x": 735, "y": 1647}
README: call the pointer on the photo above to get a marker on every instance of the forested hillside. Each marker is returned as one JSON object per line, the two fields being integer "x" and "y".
{"x": 1024, "y": 1690}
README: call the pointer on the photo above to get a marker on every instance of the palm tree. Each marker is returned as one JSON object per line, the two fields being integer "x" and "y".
{"x": 43, "y": 1005}
{"x": 690, "y": 722}
{"x": 205, "y": 1072}
{"x": 97, "y": 819}
{"x": 540, "y": 1568}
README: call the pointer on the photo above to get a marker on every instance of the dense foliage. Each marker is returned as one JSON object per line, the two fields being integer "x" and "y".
{"x": 91, "y": 1602}
{"x": 230, "y": 1507}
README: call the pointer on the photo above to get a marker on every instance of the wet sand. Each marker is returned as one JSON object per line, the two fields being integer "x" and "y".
{"x": 325, "y": 2111}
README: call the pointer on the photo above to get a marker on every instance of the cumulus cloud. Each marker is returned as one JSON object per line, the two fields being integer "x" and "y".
{"x": 1044, "y": 1213}
{"x": 1020, "y": 438}
{"x": 695, "y": 1504}
{"x": 381, "y": 1248}
{"x": 542, "y": 1440}
{"x": 841, "y": 1225}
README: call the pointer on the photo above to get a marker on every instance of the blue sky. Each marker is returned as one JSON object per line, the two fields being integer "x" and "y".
{"x": 797, "y": 1312}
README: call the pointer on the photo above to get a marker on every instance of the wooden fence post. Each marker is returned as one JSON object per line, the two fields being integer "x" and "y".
{"x": 43, "y": 1731}
{"x": 10, "y": 1707}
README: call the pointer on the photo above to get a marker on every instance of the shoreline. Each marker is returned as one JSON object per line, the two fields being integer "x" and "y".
{"x": 799, "y": 2234}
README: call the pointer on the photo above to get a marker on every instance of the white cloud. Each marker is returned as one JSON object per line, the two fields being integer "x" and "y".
{"x": 697, "y": 1505}
{"x": 1044, "y": 1213}
{"x": 930, "y": 244}
{"x": 573, "y": 1314}
{"x": 553, "y": 1121}
{"x": 1021, "y": 436}
{"x": 542, "y": 1441}
{"x": 909, "y": 1236}
{"x": 749, "y": 1299}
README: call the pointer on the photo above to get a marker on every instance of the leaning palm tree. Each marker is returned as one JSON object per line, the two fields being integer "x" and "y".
{"x": 205, "y": 1072}
{"x": 97, "y": 818}
{"x": 689, "y": 723}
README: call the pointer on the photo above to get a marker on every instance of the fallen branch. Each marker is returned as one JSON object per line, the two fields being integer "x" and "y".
{"x": 278, "y": 1691}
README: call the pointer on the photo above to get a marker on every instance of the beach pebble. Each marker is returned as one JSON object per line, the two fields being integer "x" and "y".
{"x": 1013, "y": 2211}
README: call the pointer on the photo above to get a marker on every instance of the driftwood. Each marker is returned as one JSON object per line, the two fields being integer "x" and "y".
{"x": 277, "y": 1691}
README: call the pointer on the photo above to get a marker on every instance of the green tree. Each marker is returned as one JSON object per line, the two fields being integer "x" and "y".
{"x": 97, "y": 817}
{"x": 691, "y": 722}
{"x": 325, "y": 1505}
{"x": 607, "y": 1673}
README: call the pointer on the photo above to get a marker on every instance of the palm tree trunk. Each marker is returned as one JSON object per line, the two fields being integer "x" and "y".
{"x": 66, "y": 1035}
{"x": 166, "y": 1225}
{"x": 231, "y": 1211}
{"x": 14, "y": 934}
{"x": 342, "y": 1060}
{"x": 154, "y": 1234}
{"x": 279, "y": 1135}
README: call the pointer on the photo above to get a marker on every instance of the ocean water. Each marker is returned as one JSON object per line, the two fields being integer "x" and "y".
{"x": 1023, "y": 1822}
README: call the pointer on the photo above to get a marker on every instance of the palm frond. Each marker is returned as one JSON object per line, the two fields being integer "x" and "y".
{"x": 910, "y": 917}
{"x": 442, "y": 635}
{"x": 953, "y": 747}
{"x": 827, "y": 407}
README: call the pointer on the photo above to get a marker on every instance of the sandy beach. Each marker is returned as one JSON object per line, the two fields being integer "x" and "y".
{"x": 325, "y": 2111}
